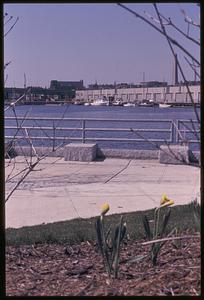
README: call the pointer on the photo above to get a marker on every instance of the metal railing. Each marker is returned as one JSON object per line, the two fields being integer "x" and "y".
{"x": 139, "y": 129}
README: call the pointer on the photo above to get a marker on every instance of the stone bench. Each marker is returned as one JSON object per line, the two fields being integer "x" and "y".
{"x": 174, "y": 154}
{"x": 80, "y": 152}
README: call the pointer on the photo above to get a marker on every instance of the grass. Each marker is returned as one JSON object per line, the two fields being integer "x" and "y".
{"x": 79, "y": 230}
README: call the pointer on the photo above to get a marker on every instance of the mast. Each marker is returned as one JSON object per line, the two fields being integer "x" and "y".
{"x": 115, "y": 90}
{"x": 143, "y": 79}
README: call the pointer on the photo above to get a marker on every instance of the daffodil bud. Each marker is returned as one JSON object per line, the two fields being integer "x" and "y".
{"x": 164, "y": 199}
{"x": 168, "y": 203}
{"x": 104, "y": 208}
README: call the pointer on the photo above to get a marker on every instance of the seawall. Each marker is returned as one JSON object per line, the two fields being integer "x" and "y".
{"x": 101, "y": 153}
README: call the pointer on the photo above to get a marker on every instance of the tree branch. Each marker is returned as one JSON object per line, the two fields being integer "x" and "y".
{"x": 160, "y": 31}
{"x": 178, "y": 63}
{"x": 171, "y": 238}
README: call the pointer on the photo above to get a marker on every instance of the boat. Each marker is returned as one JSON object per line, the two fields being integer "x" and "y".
{"x": 164, "y": 105}
{"x": 117, "y": 103}
{"x": 87, "y": 103}
{"x": 129, "y": 104}
{"x": 146, "y": 102}
{"x": 101, "y": 102}
{"x": 78, "y": 102}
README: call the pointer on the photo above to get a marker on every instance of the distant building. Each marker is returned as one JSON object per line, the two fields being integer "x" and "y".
{"x": 13, "y": 93}
{"x": 66, "y": 89}
{"x": 66, "y": 85}
{"x": 58, "y": 91}
{"x": 157, "y": 91}
{"x": 153, "y": 84}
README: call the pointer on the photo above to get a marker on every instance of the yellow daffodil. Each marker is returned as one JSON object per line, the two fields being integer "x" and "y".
{"x": 104, "y": 208}
{"x": 164, "y": 199}
{"x": 168, "y": 203}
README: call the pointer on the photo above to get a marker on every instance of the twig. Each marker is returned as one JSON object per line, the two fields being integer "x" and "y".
{"x": 178, "y": 63}
{"x": 30, "y": 142}
{"x": 32, "y": 166}
{"x": 187, "y": 19}
{"x": 158, "y": 147}
{"x": 10, "y": 18}
{"x": 14, "y": 103}
{"x": 159, "y": 30}
{"x": 193, "y": 67}
{"x": 6, "y": 65}
{"x": 118, "y": 172}
{"x": 11, "y": 27}
{"x": 169, "y": 22}
{"x": 171, "y": 238}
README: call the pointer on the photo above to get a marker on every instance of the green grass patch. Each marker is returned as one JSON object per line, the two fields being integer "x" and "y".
{"x": 79, "y": 230}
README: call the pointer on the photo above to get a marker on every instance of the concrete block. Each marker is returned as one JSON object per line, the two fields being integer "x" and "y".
{"x": 127, "y": 153}
{"x": 174, "y": 154}
{"x": 80, "y": 152}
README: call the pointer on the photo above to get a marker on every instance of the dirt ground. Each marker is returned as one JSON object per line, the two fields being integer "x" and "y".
{"x": 59, "y": 270}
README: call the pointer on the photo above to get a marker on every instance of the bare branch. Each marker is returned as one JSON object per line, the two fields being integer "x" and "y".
{"x": 32, "y": 166}
{"x": 171, "y": 238}
{"x": 193, "y": 67}
{"x": 6, "y": 64}
{"x": 169, "y": 22}
{"x": 194, "y": 132}
{"x": 11, "y": 27}
{"x": 155, "y": 20}
{"x": 178, "y": 63}
{"x": 6, "y": 79}
{"x": 10, "y": 18}
{"x": 31, "y": 143}
{"x": 160, "y": 31}
{"x": 187, "y": 19}
{"x": 12, "y": 104}
{"x": 167, "y": 144}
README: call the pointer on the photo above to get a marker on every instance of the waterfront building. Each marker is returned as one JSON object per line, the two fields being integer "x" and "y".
{"x": 172, "y": 94}
{"x": 70, "y": 91}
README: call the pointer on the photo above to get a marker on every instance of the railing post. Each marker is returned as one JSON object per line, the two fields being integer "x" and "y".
{"x": 54, "y": 134}
{"x": 177, "y": 132}
{"x": 174, "y": 133}
{"x": 83, "y": 131}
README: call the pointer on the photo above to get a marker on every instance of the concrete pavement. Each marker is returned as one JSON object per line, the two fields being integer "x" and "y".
{"x": 61, "y": 190}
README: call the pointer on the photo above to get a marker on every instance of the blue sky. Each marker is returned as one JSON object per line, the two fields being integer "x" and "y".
{"x": 92, "y": 42}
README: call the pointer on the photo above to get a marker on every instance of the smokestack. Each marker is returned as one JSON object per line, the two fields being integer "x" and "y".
{"x": 175, "y": 79}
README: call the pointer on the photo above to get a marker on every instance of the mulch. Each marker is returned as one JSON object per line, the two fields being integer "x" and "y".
{"x": 78, "y": 270}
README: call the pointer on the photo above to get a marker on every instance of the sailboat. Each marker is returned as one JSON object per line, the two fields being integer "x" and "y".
{"x": 164, "y": 104}
{"x": 144, "y": 101}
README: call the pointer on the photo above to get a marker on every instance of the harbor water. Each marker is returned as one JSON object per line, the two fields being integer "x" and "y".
{"x": 102, "y": 112}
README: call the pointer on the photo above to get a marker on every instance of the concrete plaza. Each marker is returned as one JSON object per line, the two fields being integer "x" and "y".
{"x": 60, "y": 190}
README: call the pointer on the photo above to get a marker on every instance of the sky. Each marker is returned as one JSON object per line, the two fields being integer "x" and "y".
{"x": 93, "y": 42}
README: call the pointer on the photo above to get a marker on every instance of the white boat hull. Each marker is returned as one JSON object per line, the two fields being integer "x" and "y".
{"x": 164, "y": 105}
{"x": 99, "y": 104}
{"x": 129, "y": 105}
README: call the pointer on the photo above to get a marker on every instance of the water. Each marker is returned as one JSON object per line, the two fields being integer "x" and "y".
{"x": 112, "y": 112}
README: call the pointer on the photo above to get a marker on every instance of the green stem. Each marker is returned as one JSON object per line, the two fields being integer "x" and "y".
{"x": 116, "y": 260}
{"x": 157, "y": 225}
{"x": 106, "y": 260}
